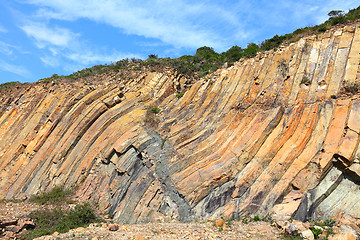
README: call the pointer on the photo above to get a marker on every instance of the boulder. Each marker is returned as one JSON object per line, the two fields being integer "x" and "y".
{"x": 291, "y": 229}
{"x": 139, "y": 237}
{"x": 113, "y": 227}
{"x": 342, "y": 236}
{"x": 307, "y": 234}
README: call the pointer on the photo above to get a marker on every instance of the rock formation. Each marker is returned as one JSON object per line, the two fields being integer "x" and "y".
{"x": 275, "y": 135}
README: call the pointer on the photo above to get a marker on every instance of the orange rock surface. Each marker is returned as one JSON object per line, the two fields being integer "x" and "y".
{"x": 249, "y": 139}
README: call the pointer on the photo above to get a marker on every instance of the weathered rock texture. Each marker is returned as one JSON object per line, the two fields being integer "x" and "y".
{"x": 249, "y": 139}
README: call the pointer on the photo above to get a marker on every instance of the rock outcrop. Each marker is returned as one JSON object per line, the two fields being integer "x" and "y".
{"x": 277, "y": 134}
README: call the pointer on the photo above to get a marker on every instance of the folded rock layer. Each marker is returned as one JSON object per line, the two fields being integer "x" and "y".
{"x": 273, "y": 135}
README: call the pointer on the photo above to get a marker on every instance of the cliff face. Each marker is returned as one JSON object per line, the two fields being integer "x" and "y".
{"x": 265, "y": 136}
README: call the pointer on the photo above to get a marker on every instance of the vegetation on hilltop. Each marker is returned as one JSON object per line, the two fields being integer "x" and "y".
{"x": 206, "y": 60}
{"x": 8, "y": 85}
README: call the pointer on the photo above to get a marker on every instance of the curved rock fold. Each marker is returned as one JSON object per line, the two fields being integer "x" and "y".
{"x": 273, "y": 135}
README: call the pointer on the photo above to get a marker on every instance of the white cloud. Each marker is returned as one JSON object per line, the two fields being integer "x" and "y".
{"x": 6, "y": 48}
{"x": 18, "y": 70}
{"x": 49, "y": 36}
{"x": 11, "y": 50}
{"x": 50, "y": 61}
{"x": 263, "y": 19}
{"x": 2, "y": 29}
{"x": 62, "y": 47}
{"x": 177, "y": 23}
{"x": 89, "y": 57}
{"x": 196, "y": 23}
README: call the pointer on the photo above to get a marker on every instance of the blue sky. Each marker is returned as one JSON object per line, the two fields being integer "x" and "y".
{"x": 41, "y": 37}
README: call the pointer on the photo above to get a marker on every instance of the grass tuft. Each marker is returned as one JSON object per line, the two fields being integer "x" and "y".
{"x": 56, "y": 195}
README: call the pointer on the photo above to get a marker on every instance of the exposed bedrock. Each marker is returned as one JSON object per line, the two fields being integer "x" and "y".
{"x": 273, "y": 135}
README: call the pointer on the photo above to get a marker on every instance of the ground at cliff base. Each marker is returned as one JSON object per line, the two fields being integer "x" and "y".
{"x": 18, "y": 211}
{"x": 173, "y": 230}
{"x": 15, "y": 224}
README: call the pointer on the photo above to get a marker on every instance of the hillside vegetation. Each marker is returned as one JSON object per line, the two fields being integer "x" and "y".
{"x": 206, "y": 59}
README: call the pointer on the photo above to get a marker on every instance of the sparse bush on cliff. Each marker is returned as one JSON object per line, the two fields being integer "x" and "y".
{"x": 305, "y": 80}
{"x": 151, "y": 118}
{"x": 55, "y": 195}
{"x": 283, "y": 67}
{"x": 352, "y": 88}
{"x": 155, "y": 109}
{"x": 179, "y": 95}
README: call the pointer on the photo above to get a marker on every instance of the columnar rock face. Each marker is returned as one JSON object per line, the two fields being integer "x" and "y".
{"x": 275, "y": 135}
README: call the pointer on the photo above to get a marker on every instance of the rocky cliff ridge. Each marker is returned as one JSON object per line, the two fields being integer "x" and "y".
{"x": 275, "y": 135}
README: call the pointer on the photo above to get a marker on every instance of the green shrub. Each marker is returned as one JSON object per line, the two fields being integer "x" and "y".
{"x": 336, "y": 17}
{"x": 228, "y": 223}
{"x": 317, "y": 232}
{"x": 206, "y": 53}
{"x": 333, "y": 96}
{"x": 57, "y": 220}
{"x": 179, "y": 95}
{"x": 283, "y": 67}
{"x": 155, "y": 110}
{"x": 322, "y": 29}
{"x": 306, "y": 48}
{"x": 305, "y": 80}
{"x": 55, "y": 195}
{"x": 153, "y": 56}
{"x": 326, "y": 224}
{"x": 291, "y": 237}
{"x": 245, "y": 220}
{"x": 351, "y": 88}
{"x": 233, "y": 54}
{"x": 329, "y": 222}
{"x": 272, "y": 43}
{"x": 151, "y": 118}
{"x": 251, "y": 50}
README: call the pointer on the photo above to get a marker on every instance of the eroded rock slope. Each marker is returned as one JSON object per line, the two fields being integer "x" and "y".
{"x": 276, "y": 134}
